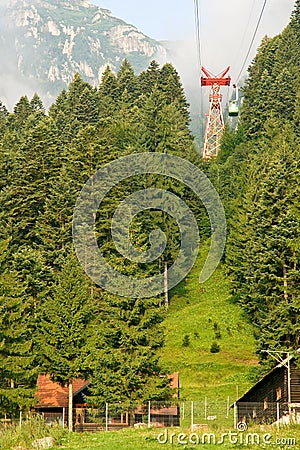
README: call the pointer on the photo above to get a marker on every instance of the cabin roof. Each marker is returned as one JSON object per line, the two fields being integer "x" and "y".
{"x": 52, "y": 394}
{"x": 265, "y": 377}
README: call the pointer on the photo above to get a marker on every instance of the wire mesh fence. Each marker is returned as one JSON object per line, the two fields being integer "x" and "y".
{"x": 193, "y": 415}
{"x": 265, "y": 412}
{"x": 187, "y": 414}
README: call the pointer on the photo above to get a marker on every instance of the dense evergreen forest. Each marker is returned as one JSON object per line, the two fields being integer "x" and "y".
{"x": 257, "y": 174}
{"x": 53, "y": 319}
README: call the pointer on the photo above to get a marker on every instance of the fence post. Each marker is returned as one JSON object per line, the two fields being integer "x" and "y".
{"x": 106, "y": 417}
{"x": 183, "y": 411}
{"x": 192, "y": 416}
{"x": 20, "y": 421}
{"x": 235, "y": 416}
{"x": 63, "y": 417}
{"x": 227, "y": 409}
{"x": 149, "y": 414}
{"x": 278, "y": 413}
{"x": 205, "y": 408}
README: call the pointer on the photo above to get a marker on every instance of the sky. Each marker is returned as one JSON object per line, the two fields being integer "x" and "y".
{"x": 227, "y": 26}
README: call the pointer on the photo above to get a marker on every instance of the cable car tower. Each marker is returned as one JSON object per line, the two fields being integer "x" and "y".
{"x": 215, "y": 123}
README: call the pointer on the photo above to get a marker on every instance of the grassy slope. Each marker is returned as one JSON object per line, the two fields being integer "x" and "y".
{"x": 202, "y": 373}
{"x": 147, "y": 439}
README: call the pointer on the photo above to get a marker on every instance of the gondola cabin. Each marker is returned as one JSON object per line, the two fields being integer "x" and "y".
{"x": 233, "y": 109}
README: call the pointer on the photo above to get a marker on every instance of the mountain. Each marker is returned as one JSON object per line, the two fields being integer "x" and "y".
{"x": 45, "y": 42}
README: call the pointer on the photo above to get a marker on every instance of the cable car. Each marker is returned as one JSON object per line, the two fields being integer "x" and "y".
{"x": 233, "y": 107}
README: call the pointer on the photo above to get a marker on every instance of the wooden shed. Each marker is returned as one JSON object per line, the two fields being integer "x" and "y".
{"x": 52, "y": 398}
{"x": 52, "y": 403}
{"x": 275, "y": 397}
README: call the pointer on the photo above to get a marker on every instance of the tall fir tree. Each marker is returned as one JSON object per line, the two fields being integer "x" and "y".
{"x": 17, "y": 359}
{"x": 63, "y": 329}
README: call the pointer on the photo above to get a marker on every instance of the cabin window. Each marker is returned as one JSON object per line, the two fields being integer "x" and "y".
{"x": 278, "y": 393}
{"x": 266, "y": 403}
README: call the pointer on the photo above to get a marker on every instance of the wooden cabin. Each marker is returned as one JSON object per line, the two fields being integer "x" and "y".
{"x": 267, "y": 401}
{"x": 52, "y": 403}
{"x": 52, "y": 398}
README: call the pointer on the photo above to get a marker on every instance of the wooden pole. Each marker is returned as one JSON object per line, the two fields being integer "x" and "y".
{"x": 166, "y": 286}
{"x": 235, "y": 416}
{"x": 192, "y": 416}
{"x": 289, "y": 386}
{"x": 149, "y": 414}
{"x": 227, "y": 409}
{"x": 285, "y": 283}
{"x": 70, "y": 406}
{"x": 106, "y": 417}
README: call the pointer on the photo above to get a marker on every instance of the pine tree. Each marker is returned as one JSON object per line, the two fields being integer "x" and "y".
{"x": 284, "y": 96}
{"x": 86, "y": 111}
{"x": 125, "y": 365}
{"x": 127, "y": 80}
{"x": 36, "y": 104}
{"x": 74, "y": 109}
{"x": 149, "y": 78}
{"x": 267, "y": 275}
{"x": 3, "y": 118}
{"x": 17, "y": 360}
{"x": 22, "y": 111}
{"x": 63, "y": 328}
{"x": 23, "y": 200}
{"x": 108, "y": 94}
{"x": 172, "y": 90}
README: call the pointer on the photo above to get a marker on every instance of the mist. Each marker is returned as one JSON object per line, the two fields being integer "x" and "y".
{"x": 226, "y": 32}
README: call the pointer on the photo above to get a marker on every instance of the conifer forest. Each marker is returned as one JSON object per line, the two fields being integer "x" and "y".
{"x": 53, "y": 318}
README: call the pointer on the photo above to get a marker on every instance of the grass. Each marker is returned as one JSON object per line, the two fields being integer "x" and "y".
{"x": 202, "y": 312}
{"x": 13, "y": 436}
{"x": 148, "y": 439}
{"x": 142, "y": 439}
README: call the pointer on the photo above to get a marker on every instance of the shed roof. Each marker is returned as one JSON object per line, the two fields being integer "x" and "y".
{"x": 51, "y": 394}
{"x": 266, "y": 376}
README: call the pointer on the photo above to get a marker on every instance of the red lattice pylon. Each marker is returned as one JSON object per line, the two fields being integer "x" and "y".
{"x": 215, "y": 123}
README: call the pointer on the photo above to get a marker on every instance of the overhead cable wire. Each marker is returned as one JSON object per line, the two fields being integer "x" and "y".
{"x": 198, "y": 32}
{"x": 252, "y": 40}
{"x": 199, "y": 54}
{"x": 245, "y": 33}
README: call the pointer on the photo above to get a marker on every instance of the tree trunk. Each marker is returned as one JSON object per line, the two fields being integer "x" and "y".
{"x": 285, "y": 284}
{"x": 166, "y": 291}
{"x": 70, "y": 418}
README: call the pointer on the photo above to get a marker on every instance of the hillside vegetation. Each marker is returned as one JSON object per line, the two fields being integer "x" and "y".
{"x": 54, "y": 319}
{"x": 257, "y": 174}
{"x": 206, "y": 314}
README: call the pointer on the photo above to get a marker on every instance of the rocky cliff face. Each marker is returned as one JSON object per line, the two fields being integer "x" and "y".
{"x": 43, "y": 43}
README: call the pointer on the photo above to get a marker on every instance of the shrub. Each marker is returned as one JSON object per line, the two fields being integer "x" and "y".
{"x": 218, "y": 334}
{"x": 215, "y": 348}
{"x": 186, "y": 341}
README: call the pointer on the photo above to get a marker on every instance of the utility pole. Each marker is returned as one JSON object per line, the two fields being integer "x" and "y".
{"x": 276, "y": 354}
{"x": 166, "y": 285}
